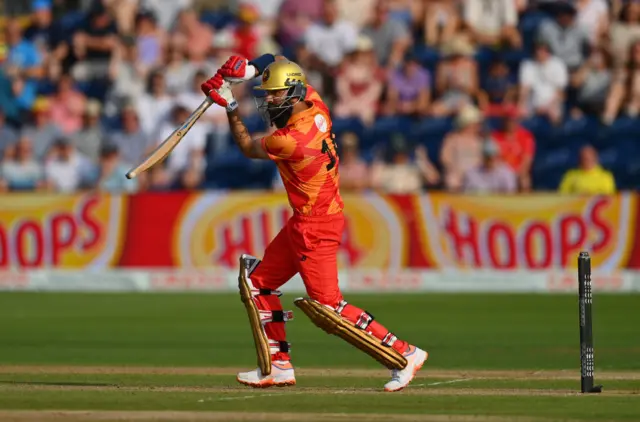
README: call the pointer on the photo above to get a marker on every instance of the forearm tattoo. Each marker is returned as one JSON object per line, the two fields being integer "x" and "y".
{"x": 241, "y": 134}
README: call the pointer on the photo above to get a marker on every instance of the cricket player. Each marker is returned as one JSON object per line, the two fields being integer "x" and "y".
{"x": 305, "y": 153}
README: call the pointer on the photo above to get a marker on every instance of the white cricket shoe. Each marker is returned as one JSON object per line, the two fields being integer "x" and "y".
{"x": 400, "y": 378}
{"x": 282, "y": 375}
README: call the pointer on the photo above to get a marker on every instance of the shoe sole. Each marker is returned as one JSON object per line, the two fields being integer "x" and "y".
{"x": 415, "y": 371}
{"x": 268, "y": 383}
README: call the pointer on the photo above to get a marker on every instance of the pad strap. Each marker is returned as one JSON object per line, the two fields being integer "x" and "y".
{"x": 389, "y": 339}
{"x": 265, "y": 292}
{"x": 364, "y": 320}
{"x": 276, "y": 346}
{"x": 275, "y": 316}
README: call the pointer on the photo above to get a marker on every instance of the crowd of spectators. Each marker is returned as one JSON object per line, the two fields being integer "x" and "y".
{"x": 496, "y": 96}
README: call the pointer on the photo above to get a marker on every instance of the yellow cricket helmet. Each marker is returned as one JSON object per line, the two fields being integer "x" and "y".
{"x": 282, "y": 74}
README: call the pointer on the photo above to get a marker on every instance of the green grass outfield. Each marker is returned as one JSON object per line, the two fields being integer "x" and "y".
{"x": 174, "y": 356}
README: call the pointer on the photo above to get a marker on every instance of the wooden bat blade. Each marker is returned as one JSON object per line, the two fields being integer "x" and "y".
{"x": 165, "y": 148}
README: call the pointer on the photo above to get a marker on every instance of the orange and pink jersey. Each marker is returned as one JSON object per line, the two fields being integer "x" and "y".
{"x": 307, "y": 160}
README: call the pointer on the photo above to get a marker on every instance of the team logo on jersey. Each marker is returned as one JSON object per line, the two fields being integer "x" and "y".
{"x": 321, "y": 122}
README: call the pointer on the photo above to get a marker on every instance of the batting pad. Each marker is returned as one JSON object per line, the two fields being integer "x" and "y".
{"x": 332, "y": 323}
{"x": 259, "y": 336}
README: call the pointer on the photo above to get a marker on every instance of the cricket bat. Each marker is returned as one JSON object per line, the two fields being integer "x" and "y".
{"x": 165, "y": 148}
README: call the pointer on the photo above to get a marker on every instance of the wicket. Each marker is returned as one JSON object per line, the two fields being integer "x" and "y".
{"x": 586, "y": 330}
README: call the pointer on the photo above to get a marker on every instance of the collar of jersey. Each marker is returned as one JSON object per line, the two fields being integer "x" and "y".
{"x": 301, "y": 115}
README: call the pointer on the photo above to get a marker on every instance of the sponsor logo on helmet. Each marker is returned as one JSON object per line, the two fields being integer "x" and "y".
{"x": 266, "y": 75}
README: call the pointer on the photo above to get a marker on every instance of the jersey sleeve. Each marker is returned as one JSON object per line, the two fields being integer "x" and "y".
{"x": 280, "y": 145}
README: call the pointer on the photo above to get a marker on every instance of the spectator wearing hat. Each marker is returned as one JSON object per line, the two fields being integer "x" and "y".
{"x": 456, "y": 77}
{"x": 42, "y": 131}
{"x": 112, "y": 170}
{"x": 20, "y": 171}
{"x": 516, "y": 145}
{"x": 409, "y": 89}
{"x": 492, "y": 176}
{"x": 589, "y": 178}
{"x": 43, "y": 32}
{"x": 566, "y": 39}
{"x": 492, "y": 23}
{"x": 354, "y": 172}
{"x": 90, "y": 137}
{"x": 543, "y": 80}
{"x": 462, "y": 148}
{"x": 65, "y": 168}
{"x": 67, "y": 106}
{"x": 23, "y": 65}
{"x": 359, "y": 84}
{"x": 132, "y": 142}
{"x": 398, "y": 174}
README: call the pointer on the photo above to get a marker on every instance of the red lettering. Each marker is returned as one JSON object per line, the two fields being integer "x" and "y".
{"x": 595, "y": 217}
{"x": 235, "y": 244}
{"x": 573, "y": 233}
{"x": 496, "y": 232}
{"x": 4, "y": 248}
{"x": 541, "y": 231}
{"x": 29, "y": 244}
{"x": 63, "y": 234}
{"x": 92, "y": 225}
{"x": 462, "y": 242}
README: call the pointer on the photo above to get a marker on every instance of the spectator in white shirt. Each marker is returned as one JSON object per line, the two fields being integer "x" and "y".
{"x": 492, "y": 22}
{"x": 189, "y": 154}
{"x": 154, "y": 105}
{"x": 542, "y": 84}
{"x": 329, "y": 40}
{"x": 66, "y": 169}
{"x": 593, "y": 15}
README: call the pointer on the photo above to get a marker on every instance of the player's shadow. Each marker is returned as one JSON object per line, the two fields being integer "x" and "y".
{"x": 58, "y": 383}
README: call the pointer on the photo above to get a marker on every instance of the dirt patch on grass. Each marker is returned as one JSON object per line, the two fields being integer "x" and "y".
{"x": 113, "y": 416}
{"x": 226, "y": 393}
{"x": 329, "y": 372}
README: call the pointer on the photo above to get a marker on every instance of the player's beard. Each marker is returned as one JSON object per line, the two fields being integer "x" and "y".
{"x": 279, "y": 114}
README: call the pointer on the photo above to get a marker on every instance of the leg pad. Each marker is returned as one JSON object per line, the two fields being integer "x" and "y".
{"x": 329, "y": 320}
{"x": 260, "y": 340}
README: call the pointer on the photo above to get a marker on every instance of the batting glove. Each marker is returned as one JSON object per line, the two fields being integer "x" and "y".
{"x": 237, "y": 69}
{"x": 224, "y": 97}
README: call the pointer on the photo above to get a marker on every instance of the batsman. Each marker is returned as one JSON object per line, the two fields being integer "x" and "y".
{"x": 305, "y": 153}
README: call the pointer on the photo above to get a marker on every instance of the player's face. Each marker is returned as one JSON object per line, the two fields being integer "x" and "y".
{"x": 276, "y": 97}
